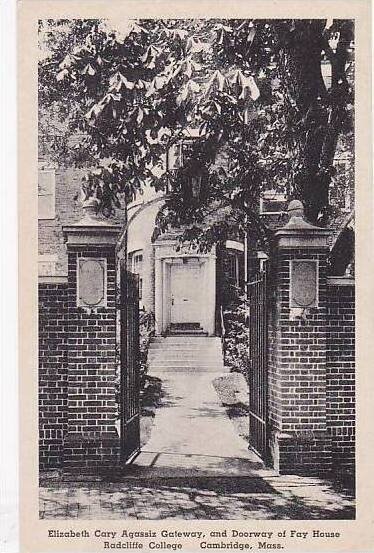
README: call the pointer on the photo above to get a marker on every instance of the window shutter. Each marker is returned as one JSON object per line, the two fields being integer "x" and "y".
{"x": 46, "y": 194}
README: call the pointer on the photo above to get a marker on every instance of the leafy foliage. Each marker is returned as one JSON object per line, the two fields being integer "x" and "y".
{"x": 236, "y": 343}
{"x": 146, "y": 332}
{"x": 254, "y": 90}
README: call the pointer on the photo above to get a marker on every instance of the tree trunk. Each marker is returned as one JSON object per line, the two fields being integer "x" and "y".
{"x": 318, "y": 115}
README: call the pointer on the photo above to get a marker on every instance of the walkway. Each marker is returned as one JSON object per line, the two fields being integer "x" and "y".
{"x": 194, "y": 466}
{"x": 192, "y": 432}
{"x": 118, "y": 496}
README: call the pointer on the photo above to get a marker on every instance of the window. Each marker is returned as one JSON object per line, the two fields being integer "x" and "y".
{"x": 46, "y": 193}
{"x": 137, "y": 262}
{"x": 47, "y": 265}
{"x": 326, "y": 73}
{"x": 175, "y": 156}
{"x": 234, "y": 268}
{"x": 136, "y": 267}
{"x": 273, "y": 203}
{"x": 179, "y": 153}
{"x": 340, "y": 193}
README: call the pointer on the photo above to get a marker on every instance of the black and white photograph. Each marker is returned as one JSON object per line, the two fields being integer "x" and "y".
{"x": 196, "y": 274}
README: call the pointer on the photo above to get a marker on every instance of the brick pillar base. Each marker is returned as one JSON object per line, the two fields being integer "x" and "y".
{"x": 302, "y": 453}
{"x": 92, "y": 449}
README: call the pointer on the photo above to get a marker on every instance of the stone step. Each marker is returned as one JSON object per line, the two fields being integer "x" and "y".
{"x": 185, "y": 326}
{"x": 193, "y": 333}
{"x": 175, "y": 352}
{"x": 185, "y": 354}
{"x": 186, "y": 364}
{"x": 161, "y": 359}
{"x": 189, "y": 347}
{"x": 179, "y": 360}
{"x": 186, "y": 345}
{"x": 184, "y": 339}
{"x": 157, "y": 370}
{"x": 184, "y": 349}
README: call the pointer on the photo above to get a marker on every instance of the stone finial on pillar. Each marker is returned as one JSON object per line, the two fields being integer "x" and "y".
{"x": 295, "y": 209}
{"x": 90, "y": 209}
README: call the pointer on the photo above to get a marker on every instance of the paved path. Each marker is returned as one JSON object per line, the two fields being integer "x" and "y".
{"x": 206, "y": 498}
{"x": 193, "y": 467}
{"x": 192, "y": 432}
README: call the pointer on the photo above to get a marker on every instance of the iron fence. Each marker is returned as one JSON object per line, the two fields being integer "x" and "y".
{"x": 258, "y": 369}
{"x": 130, "y": 365}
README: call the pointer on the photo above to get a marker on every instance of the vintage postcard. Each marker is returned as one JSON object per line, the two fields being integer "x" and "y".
{"x": 195, "y": 288}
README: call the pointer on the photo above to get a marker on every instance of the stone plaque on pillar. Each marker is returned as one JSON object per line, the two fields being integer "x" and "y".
{"x": 91, "y": 282}
{"x": 304, "y": 283}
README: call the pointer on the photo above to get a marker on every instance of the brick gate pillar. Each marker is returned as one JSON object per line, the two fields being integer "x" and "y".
{"x": 299, "y": 441}
{"x": 92, "y": 438}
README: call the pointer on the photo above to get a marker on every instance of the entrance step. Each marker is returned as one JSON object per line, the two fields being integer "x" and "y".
{"x": 181, "y": 360}
{"x": 198, "y": 341}
{"x": 185, "y": 326}
{"x": 186, "y": 329}
{"x": 187, "y": 333}
{"x": 185, "y": 353}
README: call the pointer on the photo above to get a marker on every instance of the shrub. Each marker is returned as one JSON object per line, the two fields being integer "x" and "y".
{"x": 236, "y": 343}
{"x": 146, "y": 331}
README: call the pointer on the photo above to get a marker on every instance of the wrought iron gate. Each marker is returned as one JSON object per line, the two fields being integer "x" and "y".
{"x": 130, "y": 378}
{"x": 258, "y": 355}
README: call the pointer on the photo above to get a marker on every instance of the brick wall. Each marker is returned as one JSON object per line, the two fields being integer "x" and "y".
{"x": 77, "y": 370}
{"x": 341, "y": 374}
{"x": 311, "y": 377}
{"x": 297, "y": 375}
{"x": 68, "y": 211}
{"x": 92, "y": 408}
{"x": 53, "y": 364}
{"x": 50, "y": 237}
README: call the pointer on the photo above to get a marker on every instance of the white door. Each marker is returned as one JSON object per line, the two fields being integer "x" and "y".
{"x": 185, "y": 292}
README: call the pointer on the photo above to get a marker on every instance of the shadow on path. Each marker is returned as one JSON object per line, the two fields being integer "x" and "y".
{"x": 222, "y": 498}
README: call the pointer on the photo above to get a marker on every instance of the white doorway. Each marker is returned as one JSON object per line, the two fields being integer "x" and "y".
{"x": 184, "y": 288}
{"x": 185, "y": 291}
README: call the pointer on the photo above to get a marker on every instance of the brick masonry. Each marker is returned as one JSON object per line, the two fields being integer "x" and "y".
{"x": 50, "y": 236}
{"x": 91, "y": 437}
{"x": 341, "y": 375}
{"x": 297, "y": 375}
{"x": 311, "y": 375}
{"x": 53, "y": 372}
{"x": 68, "y": 211}
{"x": 310, "y": 381}
{"x": 77, "y": 371}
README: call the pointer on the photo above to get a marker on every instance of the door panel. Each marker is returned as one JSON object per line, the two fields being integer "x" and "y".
{"x": 185, "y": 293}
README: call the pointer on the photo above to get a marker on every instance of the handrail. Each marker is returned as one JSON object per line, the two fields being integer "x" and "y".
{"x": 223, "y": 329}
{"x": 249, "y": 283}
